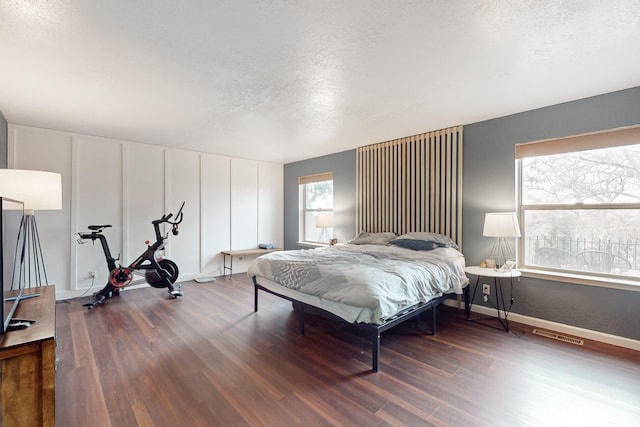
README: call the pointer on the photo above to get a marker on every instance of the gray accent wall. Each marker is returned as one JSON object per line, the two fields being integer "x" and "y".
{"x": 343, "y": 166}
{"x": 4, "y": 142}
{"x": 489, "y": 186}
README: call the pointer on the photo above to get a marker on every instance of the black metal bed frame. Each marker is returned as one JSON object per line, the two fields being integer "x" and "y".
{"x": 371, "y": 330}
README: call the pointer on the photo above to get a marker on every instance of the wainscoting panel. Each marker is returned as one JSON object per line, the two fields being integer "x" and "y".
{"x": 99, "y": 181}
{"x": 216, "y": 211}
{"x": 35, "y": 149}
{"x": 183, "y": 185}
{"x": 270, "y": 204}
{"x": 144, "y": 195}
{"x": 244, "y": 204}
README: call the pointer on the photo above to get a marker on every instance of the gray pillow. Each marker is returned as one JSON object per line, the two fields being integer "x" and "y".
{"x": 416, "y": 245}
{"x": 440, "y": 239}
{"x": 366, "y": 238}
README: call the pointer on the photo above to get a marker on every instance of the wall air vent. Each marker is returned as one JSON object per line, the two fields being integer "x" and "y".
{"x": 558, "y": 337}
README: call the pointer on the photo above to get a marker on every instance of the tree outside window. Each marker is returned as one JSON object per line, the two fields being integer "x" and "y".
{"x": 581, "y": 211}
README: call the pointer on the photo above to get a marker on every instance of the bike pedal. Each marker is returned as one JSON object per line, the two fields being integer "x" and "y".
{"x": 93, "y": 304}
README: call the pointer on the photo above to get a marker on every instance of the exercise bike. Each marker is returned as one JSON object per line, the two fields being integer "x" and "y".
{"x": 158, "y": 272}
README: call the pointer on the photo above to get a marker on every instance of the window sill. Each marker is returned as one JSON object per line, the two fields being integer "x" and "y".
{"x": 603, "y": 282}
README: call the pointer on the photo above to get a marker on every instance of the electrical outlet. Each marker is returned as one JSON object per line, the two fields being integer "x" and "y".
{"x": 92, "y": 274}
{"x": 486, "y": 289}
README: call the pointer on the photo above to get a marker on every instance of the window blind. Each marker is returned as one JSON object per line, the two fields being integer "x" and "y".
{"x": 583, "y": 142}
{"x": 315, "y": 178}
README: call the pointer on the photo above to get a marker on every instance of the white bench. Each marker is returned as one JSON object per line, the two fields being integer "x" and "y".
{"x": 241, "y": 252}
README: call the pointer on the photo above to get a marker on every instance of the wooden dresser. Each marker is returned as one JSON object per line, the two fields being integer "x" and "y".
{"x": 27, "y": 364}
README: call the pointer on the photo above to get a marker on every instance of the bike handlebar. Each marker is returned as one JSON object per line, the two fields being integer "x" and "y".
{"x": 179, "y": 214}
{"x": 165, "y": 218}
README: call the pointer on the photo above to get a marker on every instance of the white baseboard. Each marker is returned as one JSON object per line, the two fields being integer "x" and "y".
{"x": 70, "y": 294}
{"x": 557, "y": 327}
{"x": 66, "y": 294}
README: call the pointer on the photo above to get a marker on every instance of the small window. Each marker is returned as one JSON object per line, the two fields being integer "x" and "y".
{"x": 580, "y": 210}
{"x": 316, "y": 208}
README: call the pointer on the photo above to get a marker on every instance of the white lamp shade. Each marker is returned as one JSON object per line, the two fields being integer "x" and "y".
{"x": 38, "y": 190}
{"x": 501, "y": 224}
{"x": 324, "y": 220}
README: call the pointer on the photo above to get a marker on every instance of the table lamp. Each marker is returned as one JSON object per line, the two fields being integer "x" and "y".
{"x": 325, "y": 222}
{"x": 501, "y": 225}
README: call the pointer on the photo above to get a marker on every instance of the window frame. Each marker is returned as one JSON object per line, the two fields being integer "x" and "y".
{"x": 598, "y": 140}
{"x": 302, "y": 206}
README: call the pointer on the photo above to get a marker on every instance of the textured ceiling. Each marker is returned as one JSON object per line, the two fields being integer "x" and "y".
{"x": 286, "y": 80}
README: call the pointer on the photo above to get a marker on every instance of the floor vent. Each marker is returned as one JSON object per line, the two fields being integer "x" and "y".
{"x": 559, "y": 337}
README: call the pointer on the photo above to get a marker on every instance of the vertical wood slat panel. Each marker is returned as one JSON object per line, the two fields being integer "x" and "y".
{"x": 412, "y": 184}
{"x": 410, "y": 207}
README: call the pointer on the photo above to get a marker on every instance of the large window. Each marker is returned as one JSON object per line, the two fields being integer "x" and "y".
{"x": 316, "y": 208}
{"x": 580, "y": 204}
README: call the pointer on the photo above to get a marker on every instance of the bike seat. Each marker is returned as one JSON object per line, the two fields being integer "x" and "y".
{"x": 98, "y": 227}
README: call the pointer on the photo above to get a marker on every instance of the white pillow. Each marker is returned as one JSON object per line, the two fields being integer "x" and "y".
{"x": 448, "y": 252}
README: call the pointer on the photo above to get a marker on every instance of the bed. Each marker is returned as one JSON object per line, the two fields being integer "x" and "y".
{"x": 375, "y": 282}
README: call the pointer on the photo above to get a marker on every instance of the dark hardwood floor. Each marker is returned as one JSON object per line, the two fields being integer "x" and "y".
{"x": 208, "y": 360}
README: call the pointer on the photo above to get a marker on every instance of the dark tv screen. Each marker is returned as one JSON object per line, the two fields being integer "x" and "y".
{"x": 11, "y": 254}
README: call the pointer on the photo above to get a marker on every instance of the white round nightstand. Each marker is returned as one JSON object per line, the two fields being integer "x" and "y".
{"x": 491, "y": 272}
{"x": 496, "y": 275}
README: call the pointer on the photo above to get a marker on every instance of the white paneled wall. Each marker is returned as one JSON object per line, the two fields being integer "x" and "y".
{"x": 230, "y": 203}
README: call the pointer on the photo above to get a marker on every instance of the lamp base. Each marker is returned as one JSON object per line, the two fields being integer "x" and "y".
{"x": 501, "y": 252}
{"x": 32, "y": 265}
{"x": 324, "y": 236}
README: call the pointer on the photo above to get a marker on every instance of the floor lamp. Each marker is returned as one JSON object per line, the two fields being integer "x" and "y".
{"x": 38, "y": 190}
